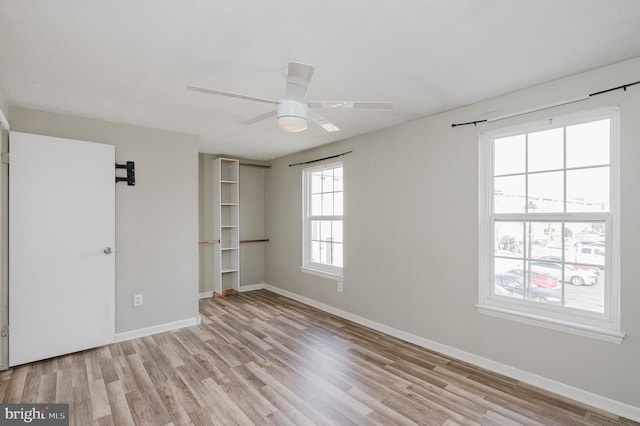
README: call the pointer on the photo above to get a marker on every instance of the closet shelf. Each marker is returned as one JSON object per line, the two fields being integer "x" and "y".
{"x": 226, "y": 226}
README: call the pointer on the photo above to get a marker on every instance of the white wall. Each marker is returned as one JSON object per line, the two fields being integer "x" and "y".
{"x": 252, "y": 225}
{"x": 205, "y": 220}
{"x": 4, "y": 104}
{"x": 411, "y": 237}
{"x": 156, "y": 220}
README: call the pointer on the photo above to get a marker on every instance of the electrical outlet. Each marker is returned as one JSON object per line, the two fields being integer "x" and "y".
{"x": 339, "y": 287}
{"x": 137, "y": 300}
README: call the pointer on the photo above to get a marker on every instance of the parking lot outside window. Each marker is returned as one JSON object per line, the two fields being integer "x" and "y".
{"x": 549, "y": 224}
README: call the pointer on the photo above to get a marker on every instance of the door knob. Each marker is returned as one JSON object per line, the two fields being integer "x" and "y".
{"x": 109, "y": 250}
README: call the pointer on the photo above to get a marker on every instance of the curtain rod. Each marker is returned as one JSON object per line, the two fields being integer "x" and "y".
{"x": 320, "y": 159}
{"x": 543, "y": 107}
{"x": 264, "y": 166}
{"x": 258, "y": 240}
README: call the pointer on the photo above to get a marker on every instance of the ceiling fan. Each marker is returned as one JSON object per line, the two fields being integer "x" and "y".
{"x": 293, "y": 111}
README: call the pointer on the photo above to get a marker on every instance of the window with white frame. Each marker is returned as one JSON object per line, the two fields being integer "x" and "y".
{"x": 322, "y": 220}
{"x": 549, "y": 224}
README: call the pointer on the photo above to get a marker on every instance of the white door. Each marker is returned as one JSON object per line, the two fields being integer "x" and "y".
{"x": 61, "y": 221}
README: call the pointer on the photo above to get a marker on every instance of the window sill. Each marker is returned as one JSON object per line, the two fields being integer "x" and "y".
{"x": 323, "y": 274}
{"x": 553, "y": 324}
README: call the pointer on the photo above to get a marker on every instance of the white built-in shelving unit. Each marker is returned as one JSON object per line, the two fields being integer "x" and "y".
{"x": 226, "y": 226}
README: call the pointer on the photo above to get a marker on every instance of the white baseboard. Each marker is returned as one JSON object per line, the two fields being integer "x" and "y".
{"x": 252, "y": 287}
{"x": 161, "y": 328}
{"x": 249, "y": 287}
{"x": 598, "y": 401}
{"x": 205, "y": 295}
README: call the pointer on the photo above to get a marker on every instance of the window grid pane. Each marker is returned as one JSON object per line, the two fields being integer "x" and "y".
{"x": 316, "y": 183}
{"x": 588, "y": 190}
{"x": 545, "y": 150}
{"x": 509, "y": 155}
{"x": 588, "y": 144}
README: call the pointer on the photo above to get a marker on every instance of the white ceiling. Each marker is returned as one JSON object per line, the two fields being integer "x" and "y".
{"x": 130, "y": 60}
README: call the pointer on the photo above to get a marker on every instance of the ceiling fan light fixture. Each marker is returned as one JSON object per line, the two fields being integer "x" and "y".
{"x": 293, "y": 112}
{"x": 292, "y": 116}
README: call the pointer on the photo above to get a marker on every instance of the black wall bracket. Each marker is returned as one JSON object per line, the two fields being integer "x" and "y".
{"x": 131, "y": 173}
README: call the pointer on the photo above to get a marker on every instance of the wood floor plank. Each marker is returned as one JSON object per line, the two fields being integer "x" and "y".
{"x": 94, "y": 371}
{"x": 120, "y": 410}
{"x": 244, "y": 389}
{"x": 148, "y": 393}
{"x": 4, "y": 384}
{"x": 175, "y": 410}
{"x": 64, "y": 387}
{"x": 31, "y": 390}
{"x": 279, "y": 419}
{"x": 380, "y": 413}
{"x": 261, "y": 358}
{"x": 225, "y": 405}
{"x": 290, "y": 409}
{"x": 82, "y": 413}
{"x": 15, "y": 386}
{"x": 79, "y": 375}
{"x": 99, "y": 399}
{"x": 48, "y": 386}
{"x": 141, "y": 410}
{"x": 297, "y": 409}
{"x": 173, "y": 358}
{"x": 125, "y": 375}
{"x": 105, "y": 421}
{"x": 183, "y": 396}
{"x": 108, "y": 368}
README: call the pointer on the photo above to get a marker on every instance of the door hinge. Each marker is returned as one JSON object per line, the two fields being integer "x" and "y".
{"x": 5, "y": 158}
{"x": 4, "y": 331}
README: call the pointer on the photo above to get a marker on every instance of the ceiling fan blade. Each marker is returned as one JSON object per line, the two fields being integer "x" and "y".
{"x": 376, "y": 106}
{"x": 298, "y": 78}
{"x": 231, "y": 94}
{"x": 322, "y": 122}
{"x": 260, "y": 117}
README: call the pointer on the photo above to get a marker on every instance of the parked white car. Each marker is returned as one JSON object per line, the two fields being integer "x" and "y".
{"x": 573, "y": 275}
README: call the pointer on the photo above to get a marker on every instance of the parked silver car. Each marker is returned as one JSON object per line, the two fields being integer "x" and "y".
{"x": 573, "y": 275}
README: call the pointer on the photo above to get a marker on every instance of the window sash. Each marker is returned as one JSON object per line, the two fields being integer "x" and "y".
{"x": 594, "y": 324}
{"x": 591, "y": 317}
{"x": 328, "y": 269}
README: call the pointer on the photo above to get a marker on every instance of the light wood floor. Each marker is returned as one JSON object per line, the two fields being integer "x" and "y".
{"x": 259, "y": 358}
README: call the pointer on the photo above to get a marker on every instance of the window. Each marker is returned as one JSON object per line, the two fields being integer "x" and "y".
{"x": 549, "y": 224}
{"x": 322, "y": 220}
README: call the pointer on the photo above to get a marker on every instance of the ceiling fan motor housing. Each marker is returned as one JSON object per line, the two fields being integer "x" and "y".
{"x": 292, "y": 115}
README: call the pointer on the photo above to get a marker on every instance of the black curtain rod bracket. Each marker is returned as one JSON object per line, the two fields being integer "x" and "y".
{"x": 131, "y": 173}
{"x": 320, "y": 159}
